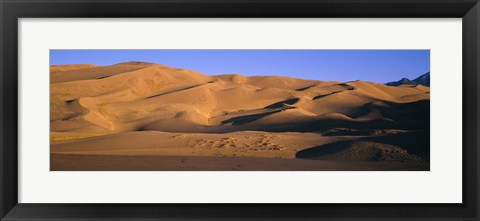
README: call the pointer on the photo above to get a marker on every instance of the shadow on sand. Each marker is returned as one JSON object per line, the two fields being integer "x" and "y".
{"x": 417, "y": 143}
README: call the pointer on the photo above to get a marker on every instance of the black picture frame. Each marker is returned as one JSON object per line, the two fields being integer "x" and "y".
{"x": 12, "y": 10}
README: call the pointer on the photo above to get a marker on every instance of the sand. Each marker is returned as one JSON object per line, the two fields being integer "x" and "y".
{"x": 145, "y": 116}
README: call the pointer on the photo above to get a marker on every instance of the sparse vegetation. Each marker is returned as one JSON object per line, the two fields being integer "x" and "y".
{"x": 102, "y": 108}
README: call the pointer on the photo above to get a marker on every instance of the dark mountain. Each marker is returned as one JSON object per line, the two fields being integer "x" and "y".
{"x": 423, "y": 80}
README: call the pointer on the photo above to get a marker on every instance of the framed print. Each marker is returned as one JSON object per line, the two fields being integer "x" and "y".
{"x": 318, "y": 110}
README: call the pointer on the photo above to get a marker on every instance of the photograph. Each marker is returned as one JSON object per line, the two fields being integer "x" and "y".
{"x": 239, "y": 110}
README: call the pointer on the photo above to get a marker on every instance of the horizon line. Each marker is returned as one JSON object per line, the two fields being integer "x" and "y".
{"x": 245, "y": 75}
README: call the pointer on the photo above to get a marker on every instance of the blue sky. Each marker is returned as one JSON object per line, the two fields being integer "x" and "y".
{"x": 341, "y": 65}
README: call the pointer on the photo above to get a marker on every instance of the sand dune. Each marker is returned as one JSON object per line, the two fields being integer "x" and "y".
{"x": 62, "y": 68}
{"x": 402, "y": 147}
{"x": 146, "y": 109}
